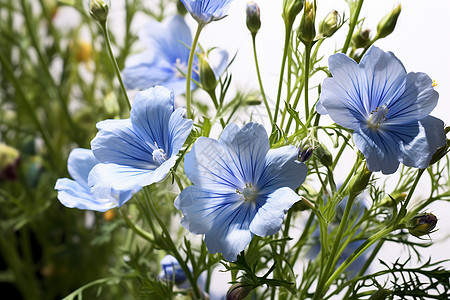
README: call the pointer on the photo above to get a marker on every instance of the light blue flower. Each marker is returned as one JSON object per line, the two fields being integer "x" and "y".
{"x": 141, "y": 150}
{"x": 241, "y": 188}
{"x": 206, "y": 11}
{"x": 76, "y": 193}
{"x": 387, "y": 108}
{"x": 167, "y": 53}
{"x": 171, "y": 270}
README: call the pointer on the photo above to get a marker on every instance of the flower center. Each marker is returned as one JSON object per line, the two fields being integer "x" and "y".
{"x": 249, "y": 193}
{"x": 180, "y": 68}
{"x": 377, "y": 116}
{"x": 159, "y": 155}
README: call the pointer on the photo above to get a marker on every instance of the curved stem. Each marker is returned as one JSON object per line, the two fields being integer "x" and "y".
{"x": 353, "y": 22}
{"x": 269, "y": 113}
{"x": 283, "y": 64}
{"x": 114, "y": 63}
{"x": 189, "y": 70}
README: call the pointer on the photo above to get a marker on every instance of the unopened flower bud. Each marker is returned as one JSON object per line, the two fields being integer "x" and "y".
{"x": 291, "y": 8}
{"x": 253, "y": 17}
{"x": 381, "y": 294}
{"x": 206, "y": 74}
{"x": 9, "y": 162}
{"x": 99, "y": 10}
{"x": 305, "y": 153}
{"x": 253, "y": 102}
{"x": 307, "y": 29}
{"x": 361, "y": 38}
{"x": 238, "y": 291}
{"x": 387, "y": 24}
{"x": 330, "y": 24}
{"x": 422, "y": 224}
{"x": 393, "y": 199}
{"x": 324, "y": 156}
{"x": 359, "y": 182}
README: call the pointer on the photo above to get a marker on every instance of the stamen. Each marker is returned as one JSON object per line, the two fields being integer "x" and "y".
{"x": 434, "y": 83}
{"x": 377, "y": 117}
{"x": 249, "y": 193}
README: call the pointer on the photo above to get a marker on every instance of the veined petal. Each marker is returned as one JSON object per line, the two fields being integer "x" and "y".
{"x": 271, "y": 211}
{"x": 417, "y": 101}
{"x": 73, "y": 195}
{"x": 381, "y": 150}
{"x": 144, "y": 71}
{"x": 150, "y": 115}
{"x": 80, "y": 163}
{"x": 179, "y": 130}
{"x": 118, "y": 143}
{"x": 419, "y": 141}
{"x": 206, "y": 11}
{"x": 282, "y": 170}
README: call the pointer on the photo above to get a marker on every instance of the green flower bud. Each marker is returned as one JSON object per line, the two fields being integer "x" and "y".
{"x": 291, "y": 8}
{"x": 9, "y": 162}
{"x": 253, "y": 102}
{"x": 381, "y": 294}
{"x": 99, "y": 10}
{"x": 361, "y": 38}
{"x": 238, "y": 291}
{"x": 253, "y": 17}
{"x": 307, "y": 29}
{"x": 206, "y": 74}
{"x": 359, "y": 182}
{"x": 304, "y": 153}
{"x": 330, "y": 24}
{"x": 393, "y": 199}
{"x": 324, "y": 156}
{"x": 387, "y": 24}
{"x": 422, "y": 224}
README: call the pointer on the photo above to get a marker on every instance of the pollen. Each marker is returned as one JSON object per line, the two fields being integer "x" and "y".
{"x": 249, "y": 193}
{"x": 434, "y": 83}
{"x": 377, "y": 117}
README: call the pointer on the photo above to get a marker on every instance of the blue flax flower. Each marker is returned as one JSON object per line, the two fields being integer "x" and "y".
{"x": 171, "y": 270}
{"x": 206, "y": 11}
{"x": 241, "y": 188}
{"x": 166, "y": 55}
{"x": 139, "y": 151}
{"x": 387, "y": 108}
{"x": 76, "y": 193}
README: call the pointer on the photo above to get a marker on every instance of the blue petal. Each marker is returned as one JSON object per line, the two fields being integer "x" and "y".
{"x": 80, "y": 163}
{"x": 118, "y": 143}
{"x": 179, "y": 130}
{"x": 150, "y": 115}
{"x": 209, "y": 166}
{"x": 71, "y": 194}
{"x": 282, "y": 170}
{"x": 380, "y": 148}
{"x": 419, "y": 141}
{"x": 206, "y": 11}
{"x": 104, "y": 177}
{"x": 271, "y": 211}
{"x": 385, "y": 76}
{"x": 417, "y": 101}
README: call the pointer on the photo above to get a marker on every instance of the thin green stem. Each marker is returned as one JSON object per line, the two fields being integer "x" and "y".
{"x": 114, "y": 63}
{"x": 212, "y": 94}
{"x": 189, "y": 70}
{"x": 306, "y": 76}
{"x": 263, "y": 94}
{"x": 287, "y": 39}
{"x": 136, "y": 228}
{"x": 353, "y": 21}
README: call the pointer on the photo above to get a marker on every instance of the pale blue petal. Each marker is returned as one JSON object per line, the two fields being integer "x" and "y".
{"x": 282, "y": 170}
{"x": 80, "y": 163}
{"x": 271, "y": 211}
{"x": 150, "y": 115}
{"x": 125, "y": 178}
{"x": 385, "y": 76}
{"x": 417, "y": 101}
{"x": 380, "y": 149}
{"x": 202, "y": 207}
{"x": 73, "y": 195}
{"x": 118, "y": 143}
{"x": 206, "y": 11}
{"x": 419, "y": 141}
{"x": 209, "y": 165}
{"x": 179, "y": 130}
{"x": 144, "y": 71}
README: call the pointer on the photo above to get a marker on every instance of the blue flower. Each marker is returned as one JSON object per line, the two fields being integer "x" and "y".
{"x": 141, "y": 150}
{"x": 167, "y": 53}
{"x": 206, "y": 11}
{"x": 171, "y": 270}
{"x": 76, "y": 193}
{"x": 241, "y": 188}
{"x": 387, "y": 108}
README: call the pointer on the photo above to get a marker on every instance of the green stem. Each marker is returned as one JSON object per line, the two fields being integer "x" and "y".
{"x": 136, "y": 228}
{"x": 269, "y": 113}
{"x": 114, "y": 63}
{"x": 189, "y": 70}
{"x": 302, "y": 240}
{"x": 212, "y": 94}
{"x": 283, "y": 64}
{"x": 353, "y": 22}
{"x": 306, "y": 75}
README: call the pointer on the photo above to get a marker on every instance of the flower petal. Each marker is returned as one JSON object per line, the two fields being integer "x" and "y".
{"x": 80, "y": 163}
{"x": 71, "y": 194}
{"x": 179, "y": 130}
{"x": 282, "y": 170}
{"x": 271, "y": 211}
